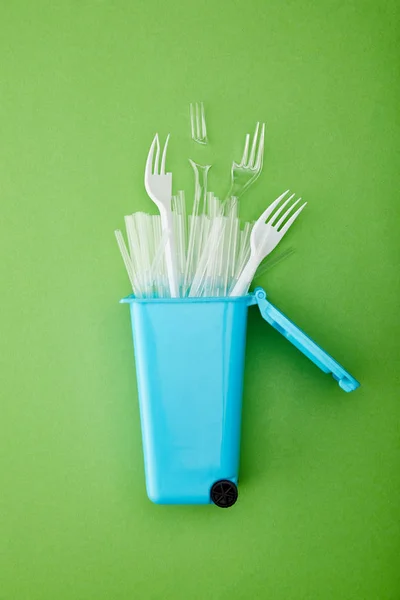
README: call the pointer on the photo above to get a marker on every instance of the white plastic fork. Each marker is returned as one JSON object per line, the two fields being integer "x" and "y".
{"x": 158, "y": 185}
{"x": 198, "y": 123}
{"x": 245, "y": 173}
{"x": 264, "y": 237}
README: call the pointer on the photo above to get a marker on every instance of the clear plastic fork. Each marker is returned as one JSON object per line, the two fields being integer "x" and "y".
{"x": 245, "y": 173}
{"x": 198, "y": 123}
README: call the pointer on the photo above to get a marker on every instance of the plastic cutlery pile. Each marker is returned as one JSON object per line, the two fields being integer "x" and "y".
{"x": 209, "y": 252}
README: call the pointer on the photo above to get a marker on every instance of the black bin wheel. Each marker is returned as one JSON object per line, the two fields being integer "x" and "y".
{"x": 224, "y": 493}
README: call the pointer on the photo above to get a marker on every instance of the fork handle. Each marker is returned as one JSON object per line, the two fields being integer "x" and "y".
{"x": 170, "y": 254}
{"x": 235, "y": 190}
{"x": 246, "y": 276}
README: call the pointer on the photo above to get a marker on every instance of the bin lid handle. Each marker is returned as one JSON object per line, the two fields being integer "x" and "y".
{"x": 303, "y": 342}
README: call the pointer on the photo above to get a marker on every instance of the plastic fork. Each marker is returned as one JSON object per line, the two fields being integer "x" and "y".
{"x": 198, "y": 123}
{"x": 265, "y": 236}
{"x": 158, "y": 185}
{"x": 245, "y": 173}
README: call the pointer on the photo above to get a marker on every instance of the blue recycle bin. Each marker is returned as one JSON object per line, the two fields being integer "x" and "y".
{"x": 189, "y": 355}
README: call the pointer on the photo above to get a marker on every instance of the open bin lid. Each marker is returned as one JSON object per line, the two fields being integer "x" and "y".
{"x": 305, "y": 344}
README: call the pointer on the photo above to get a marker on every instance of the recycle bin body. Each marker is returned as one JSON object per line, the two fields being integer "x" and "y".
{"x": 189, "y": 357}
{"x": 190, "y": 364}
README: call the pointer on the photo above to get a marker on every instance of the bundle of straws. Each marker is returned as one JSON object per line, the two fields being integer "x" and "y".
{"x": 210, "y": 249}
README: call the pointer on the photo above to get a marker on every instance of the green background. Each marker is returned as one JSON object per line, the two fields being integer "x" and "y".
{"x": 84, "y": 86}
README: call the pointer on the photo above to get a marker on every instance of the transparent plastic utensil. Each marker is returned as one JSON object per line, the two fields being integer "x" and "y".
{"x": 127, "y": 261}
{"x": 243, "y": 254}
{"x": 159, "y": 268}
{"x": 179, "y": 216}
{"x": 200, "y": 186}
{"x": 158, "y": 257}
{"x": 158, "y": 185}
{"x": 141, "y": 244}
{"x": 264, "y": 237}
{"x": 272, "y": 262}
{"x": 134, "y": 251}
{"x": 231, "y": 243}
{"x": 144, "y": 227}
{"x": 208, "y": 256}
{"x": 198, "y": 123}
{"x": 245, "y": 173}
{"x": 200, "y": 199}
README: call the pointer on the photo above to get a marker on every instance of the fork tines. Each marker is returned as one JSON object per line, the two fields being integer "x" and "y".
{"x": 198, "y": 123}
{"x": 153, "y": 166}
{"x": 271, "y": 214}
{"x": 255, "y": 160}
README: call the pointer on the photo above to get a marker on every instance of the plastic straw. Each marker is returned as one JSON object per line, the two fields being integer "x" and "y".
{"x": 209, "y": 263}
{"x": 231, "y": 209}
{"x": 156, "y": 276}
{"x": 243, "y": 254}
{"x": 271, "y": 262}
{"x": 180, "y": 220}
{"x": 220, "y": 256}
{"x": 127, "y": 261}
{"x": 144, "y": 226}
{"x": 134, "y": 249}
{"x": 193, "y": 225}
{"x": 181, "y": 212}
{"x": 207, "y": 256}
{"x": 189, "y": 258}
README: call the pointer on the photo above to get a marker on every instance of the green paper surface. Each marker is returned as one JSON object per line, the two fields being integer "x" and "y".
{"x": 84, "y": 87}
